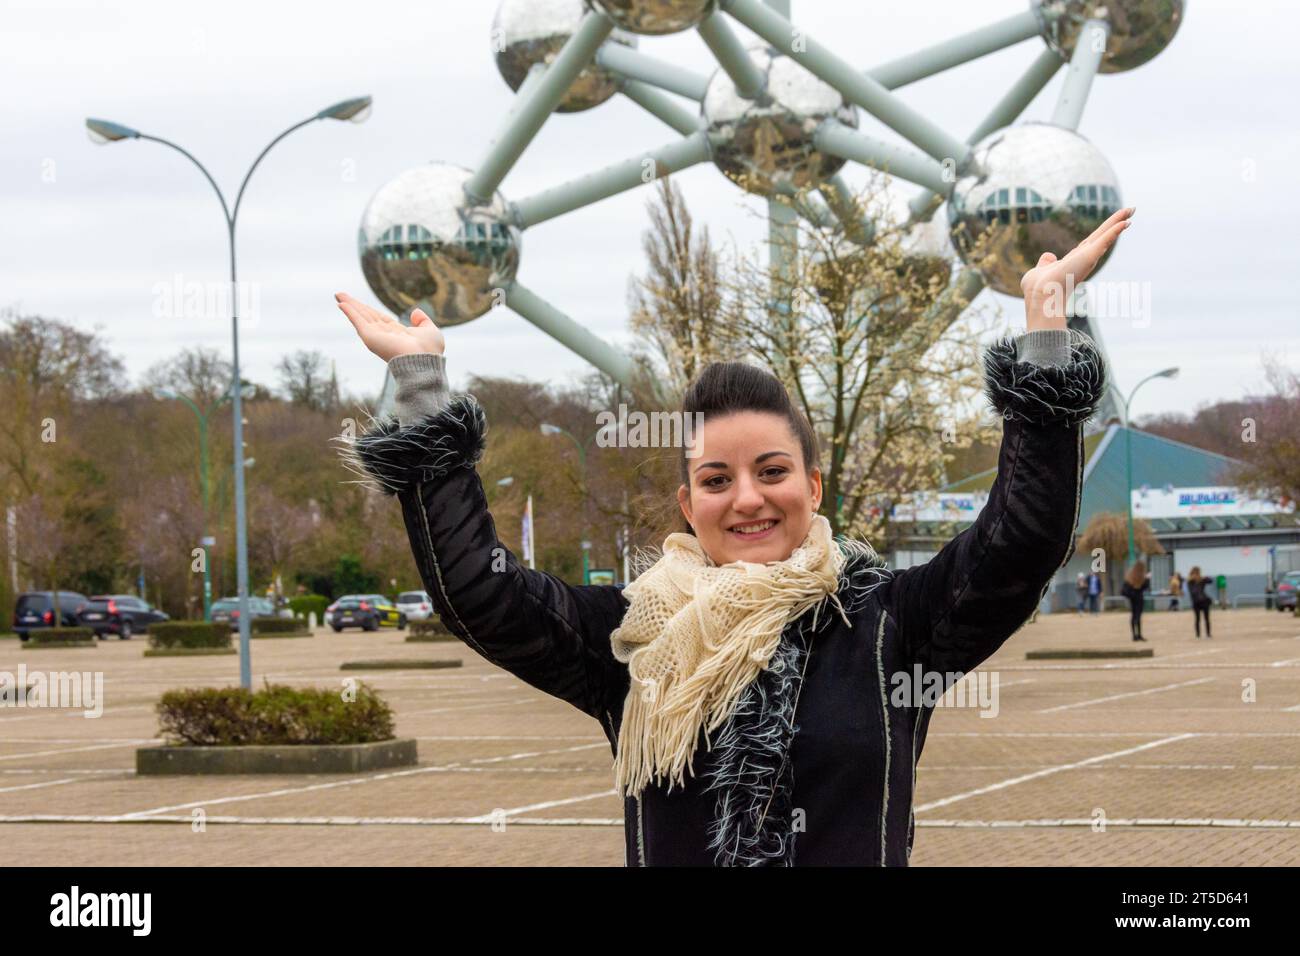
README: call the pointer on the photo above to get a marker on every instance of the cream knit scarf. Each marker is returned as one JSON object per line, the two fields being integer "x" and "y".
{"x": 695, "y": 634}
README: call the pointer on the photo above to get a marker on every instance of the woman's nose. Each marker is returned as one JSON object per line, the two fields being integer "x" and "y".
{"x": 749, "y": 497}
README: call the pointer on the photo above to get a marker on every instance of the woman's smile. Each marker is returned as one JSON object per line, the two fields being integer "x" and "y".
{"x": 755, "y": 530}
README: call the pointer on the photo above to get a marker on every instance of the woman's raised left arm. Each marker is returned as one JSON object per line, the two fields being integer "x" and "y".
{"x": 957, "y": 609}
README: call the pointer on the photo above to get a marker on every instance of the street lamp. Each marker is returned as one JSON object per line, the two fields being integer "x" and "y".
{"x": 105, "y": 131}
{"x": 1128, "y": 456}
{"x": 582, "y": 457}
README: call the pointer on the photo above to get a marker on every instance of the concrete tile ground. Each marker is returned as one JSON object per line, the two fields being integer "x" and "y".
{"x": 1190, "y": 758}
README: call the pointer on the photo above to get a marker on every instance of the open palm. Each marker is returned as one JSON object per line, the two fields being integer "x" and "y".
{"x": 1045, "y": 285}
{"x": 387, "y": 337}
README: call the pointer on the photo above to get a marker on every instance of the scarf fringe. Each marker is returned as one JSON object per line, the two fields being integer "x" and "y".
{"x": 722, "y": 627}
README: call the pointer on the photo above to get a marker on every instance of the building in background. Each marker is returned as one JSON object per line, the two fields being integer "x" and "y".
{"x": 1182, "y": 492}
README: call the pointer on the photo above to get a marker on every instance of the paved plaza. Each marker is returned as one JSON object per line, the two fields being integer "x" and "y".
{"x": 1189, "y": 758}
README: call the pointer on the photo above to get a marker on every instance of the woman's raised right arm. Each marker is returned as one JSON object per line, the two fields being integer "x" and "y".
{"x": 553, "y": 635}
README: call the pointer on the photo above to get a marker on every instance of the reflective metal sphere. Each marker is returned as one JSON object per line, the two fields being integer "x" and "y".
{"x": 526, "y": 32}
{"x": 769, "y": 141}
{"x": 422, "y": 243}
{"x": 655, "y": 17}
{"x": 1031, "y": 188}
{"x": 1139, "y": 29}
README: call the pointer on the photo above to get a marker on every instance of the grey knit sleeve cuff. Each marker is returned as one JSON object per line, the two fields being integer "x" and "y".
{"x": 422, "y": 389}
{"x": 1044, "y": 347}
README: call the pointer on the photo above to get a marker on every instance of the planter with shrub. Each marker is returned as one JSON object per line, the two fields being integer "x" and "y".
{"x": 61, "y": 637}
{"x": 429, "y": 630}
{"x": 278, "y": 729}
{"x": 279, "y": 627}
{"x": 188, "y": 638}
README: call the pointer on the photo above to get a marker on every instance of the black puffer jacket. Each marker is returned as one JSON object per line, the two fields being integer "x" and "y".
{"x": 817, "y": 765}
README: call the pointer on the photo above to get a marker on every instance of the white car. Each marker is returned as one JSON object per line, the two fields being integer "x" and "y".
{"x": 416, "y": 605}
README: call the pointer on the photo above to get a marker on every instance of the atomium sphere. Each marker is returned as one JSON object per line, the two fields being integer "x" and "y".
{"x": 1029, "y": 189}
{"x": 527, "y": 32}
{"x": 422, "y": 243}
{"x": 655, "y": 17}
{"x": 767, "y": 143}
{"x": 1139, "y": 29}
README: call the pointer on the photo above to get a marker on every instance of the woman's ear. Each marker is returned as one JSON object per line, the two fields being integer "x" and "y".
{"x": 684, "y": 502}
{"x": 815, "y": 485}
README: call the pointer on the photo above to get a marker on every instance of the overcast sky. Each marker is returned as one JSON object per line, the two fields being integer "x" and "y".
{"x": 1202, "y": 139}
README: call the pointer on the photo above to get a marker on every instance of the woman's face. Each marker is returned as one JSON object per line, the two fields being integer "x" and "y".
{"x": 749, "y": 497}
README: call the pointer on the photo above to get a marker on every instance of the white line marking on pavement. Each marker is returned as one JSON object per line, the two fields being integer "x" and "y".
{"x": 354, "y": 781}
{"x": 546, "y": 805}
{"x": 37, "y": 786}
{"x": 76, "y": 750}
{"x": 1136, "y": 822}
{"x": 1002, "y": 785}
{"x": 1133, "y": 693}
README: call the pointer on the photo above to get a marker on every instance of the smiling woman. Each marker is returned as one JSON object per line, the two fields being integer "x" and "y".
{"x": 698, "y": 669}
{"x": 750, "y": 482}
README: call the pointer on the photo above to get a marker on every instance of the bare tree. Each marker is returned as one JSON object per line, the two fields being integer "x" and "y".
{"x": 677, "y": 306}
{"x": 304, "y": 381}
{"x": 870, "y": 347}
{"x": 200, "y": 374}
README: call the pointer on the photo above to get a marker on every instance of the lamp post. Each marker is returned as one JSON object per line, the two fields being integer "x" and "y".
{"x": 104, "y": 131}
{"x": 1128, "y": 456}
{"x": 582, "y": 457}
{"x": 203, "y": 417}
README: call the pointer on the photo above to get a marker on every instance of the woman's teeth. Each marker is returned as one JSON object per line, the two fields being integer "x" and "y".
{"x": 753, "y": 528}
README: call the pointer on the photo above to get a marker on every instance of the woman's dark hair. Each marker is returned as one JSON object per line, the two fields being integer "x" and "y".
{"x": 1137, "y": 574}
{"x": 726, "y": 387}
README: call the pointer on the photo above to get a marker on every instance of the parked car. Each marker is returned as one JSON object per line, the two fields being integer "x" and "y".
{"x": 416, "y": 605}
{"x": 1286, "y": 591}
{"x": 226, "y": 610}
{"x": 35, "y": 609}
{"x": 366, "y": 611}
{"x": 120, "y": 614}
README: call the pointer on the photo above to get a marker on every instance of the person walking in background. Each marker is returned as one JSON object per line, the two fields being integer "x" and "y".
{"x": 1081, "y": 587}
{"x": 1176, "y": 589}
{"x": 1221, "y": 589}
{"x": 1094, "y": 592}
{"x": 1200, "y": 603}
{"x": 1135, "y": 588}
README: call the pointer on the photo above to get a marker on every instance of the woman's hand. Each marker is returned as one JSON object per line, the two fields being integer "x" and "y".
{"x": 1047, "y": 285}
{"x": 387, "y": 337}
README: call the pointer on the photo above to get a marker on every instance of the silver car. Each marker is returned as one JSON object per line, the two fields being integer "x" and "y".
{"x": 416, "y": 605}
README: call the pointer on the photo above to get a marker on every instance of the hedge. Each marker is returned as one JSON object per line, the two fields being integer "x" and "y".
{"x": 188, "y": 634}
{"x": 58, "y": 636}
{"x": 305, "y": 605}
{"x": 429, "y": 630}
{"x": 275, "y": 715}
{"x": 279, "y": 626}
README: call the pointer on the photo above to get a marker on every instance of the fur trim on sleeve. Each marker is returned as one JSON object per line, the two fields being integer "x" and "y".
{"x": 1046, "y": 394}
{"x": 390, "y": 457}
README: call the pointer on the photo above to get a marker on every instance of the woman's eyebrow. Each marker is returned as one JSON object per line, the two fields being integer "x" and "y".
{"x": 758, "y": 461}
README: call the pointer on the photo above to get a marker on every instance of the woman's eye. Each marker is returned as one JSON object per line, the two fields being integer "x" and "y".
{"x": 773, "y": 472}
{"x": 716, "y": 481}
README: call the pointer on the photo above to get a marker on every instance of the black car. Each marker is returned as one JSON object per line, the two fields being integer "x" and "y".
{"x": 35, "y": 609}
{"x": 369, "y": 612}
{"x": 120, "y": 614}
